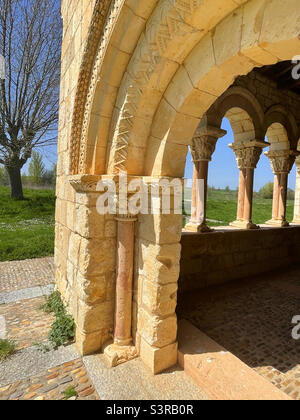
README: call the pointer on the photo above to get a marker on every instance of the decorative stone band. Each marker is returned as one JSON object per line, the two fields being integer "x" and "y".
{"x": 87, "y": 183}
{"x": 204, "y": 142}
{"x": 282, "y": 161}
{"x": 248, "y": 153}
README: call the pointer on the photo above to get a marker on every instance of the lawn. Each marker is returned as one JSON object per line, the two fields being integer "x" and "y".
{"x": 222, "y": 208}
{"x": 26, "y": 227}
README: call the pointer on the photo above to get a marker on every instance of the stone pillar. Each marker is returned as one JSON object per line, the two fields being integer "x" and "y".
{"x": 281, "y": 162}
{"x": 203, "y": 147}
{"x": 247, "y": 156}
{"x": 297, "y": 193}
{"x": 122, "y": 349}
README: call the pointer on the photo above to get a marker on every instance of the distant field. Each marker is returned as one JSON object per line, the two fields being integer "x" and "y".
{"x": 222, "y": 207}
{"x": 26, "y": 227}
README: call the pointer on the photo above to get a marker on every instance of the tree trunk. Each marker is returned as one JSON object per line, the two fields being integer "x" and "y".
{"x": 16, "y": 188}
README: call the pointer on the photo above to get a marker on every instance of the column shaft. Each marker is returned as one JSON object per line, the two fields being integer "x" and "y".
{"x": 199, "y": 198}
{"x": 283, "y": 197}
{"x": 276, "y": 192}
{"x": 122, "y": 350}
{"x": 202, "y": 172}
{"x": 248, "y": 195}
{"x": 122, "y": 334}
{"x": 297, "y": 197}
{"x": 241, "y": 195}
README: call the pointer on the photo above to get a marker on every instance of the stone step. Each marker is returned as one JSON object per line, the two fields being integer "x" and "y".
{"x": 220, "y": 374}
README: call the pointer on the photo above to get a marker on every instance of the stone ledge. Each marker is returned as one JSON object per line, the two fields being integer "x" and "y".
{"x": 220, "y": 374}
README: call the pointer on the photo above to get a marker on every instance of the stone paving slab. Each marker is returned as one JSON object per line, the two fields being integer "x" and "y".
{"x": 30, "y": 293}
{"x": 252, "y": 318}
{"x": 26, "y": 323}
{"x": 31, "y": 361}
{"x": 134, "y": 381}
{"x": 219, "y": 372}
{"x": 15, "y": 275}
{"x": 51, "y": 384}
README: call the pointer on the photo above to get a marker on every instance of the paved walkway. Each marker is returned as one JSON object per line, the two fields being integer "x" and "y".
{"x": 16, "y": 275}
{"x": 31, "y": 374}
{"x": 252, "y": 319}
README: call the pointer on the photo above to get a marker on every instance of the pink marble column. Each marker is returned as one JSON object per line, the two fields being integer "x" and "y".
{"x": 281, "y": 162}
{"x": 122, "y": 349}
{"x": 241, "y": 195}
{"x": 297, "y": 194}
{"x": 283, "y": 186}
{"x": 203, "y": 147}
{"x": 247, "y": 155}
{"x": 248, "y": 199}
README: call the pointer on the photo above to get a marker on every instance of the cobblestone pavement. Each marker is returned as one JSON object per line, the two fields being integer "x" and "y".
{"x": 252, "y": 319}
{"x": 51, "y": 384}
{"x": 26, "y": 323}
{"x": 15, "y": 275}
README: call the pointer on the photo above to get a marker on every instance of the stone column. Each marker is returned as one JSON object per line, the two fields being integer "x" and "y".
{"x": 203, "y": 147}
{"x": 297, "y": 193}
{"x": 281, "y": 162}
{"x": 122, "y": 349}
{"x": 247, "y": 156}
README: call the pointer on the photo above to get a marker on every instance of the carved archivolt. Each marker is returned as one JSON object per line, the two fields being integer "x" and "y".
{"x": 101, "y": 26}
{"x": 167, "y": 21}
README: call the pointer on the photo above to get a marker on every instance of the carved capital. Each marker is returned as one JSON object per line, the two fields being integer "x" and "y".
{"x": 204, "y": 143}
{"x": 297, "y": 161}
{"x": 281, "y": 161}
{"x": 248, "y": 153}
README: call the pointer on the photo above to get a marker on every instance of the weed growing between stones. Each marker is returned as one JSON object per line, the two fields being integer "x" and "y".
{"x": 70, "y": 393}
{"x": 7, "y": 348}
{"x": 63, "y": 328}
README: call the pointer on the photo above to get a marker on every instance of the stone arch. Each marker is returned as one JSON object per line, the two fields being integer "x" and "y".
{"x": 186, "y": 58}
{"x": 243, "y": 110}
{"x": 281, "y": 128}
{"x": 193, "y": 89}
{"x": 172, "y": 29}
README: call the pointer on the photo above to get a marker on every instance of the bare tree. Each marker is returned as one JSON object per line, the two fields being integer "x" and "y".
{"x": 30, "y": 42}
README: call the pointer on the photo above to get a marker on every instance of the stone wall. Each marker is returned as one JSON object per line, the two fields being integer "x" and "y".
{"x": 223, "y": 256}
{"x": 268, "y": 95}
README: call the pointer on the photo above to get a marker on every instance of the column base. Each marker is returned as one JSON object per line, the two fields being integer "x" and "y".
{"x": 278, "y": 223}
{"x": 244, "y": 224}
{"x": 296, "y": 221}
{"x": 198, "y": 227}
{"x": 116, "y": 354}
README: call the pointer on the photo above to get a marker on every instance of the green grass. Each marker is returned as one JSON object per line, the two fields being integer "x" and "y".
{"x": 222, "y": 207}
{"x": 26, "y": 227}
{"x": 7, "y": 348}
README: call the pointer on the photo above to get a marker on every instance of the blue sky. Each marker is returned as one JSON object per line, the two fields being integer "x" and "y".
{"x": 223, "y": 169}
